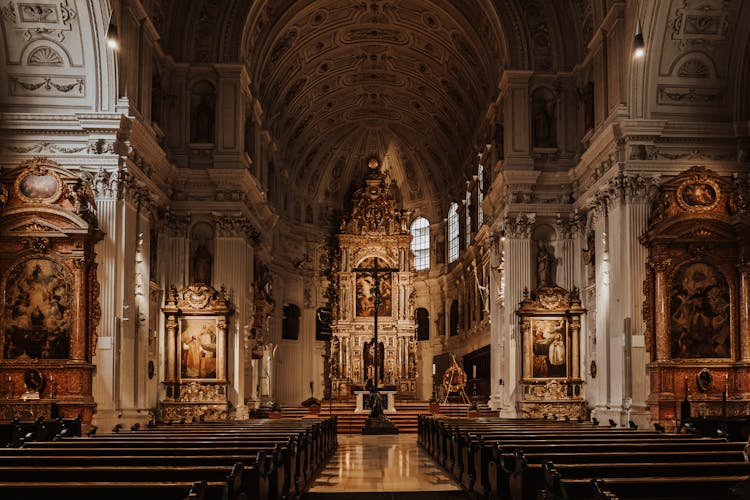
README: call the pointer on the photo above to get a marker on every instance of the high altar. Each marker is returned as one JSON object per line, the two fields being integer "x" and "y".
{"x": 375, "y": 229}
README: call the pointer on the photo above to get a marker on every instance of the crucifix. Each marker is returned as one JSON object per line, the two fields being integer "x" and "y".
{"x": 375, "y": 271}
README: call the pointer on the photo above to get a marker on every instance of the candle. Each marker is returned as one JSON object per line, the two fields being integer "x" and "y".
{"x": 433, "y": 369}
{"x": 474, "y": 371}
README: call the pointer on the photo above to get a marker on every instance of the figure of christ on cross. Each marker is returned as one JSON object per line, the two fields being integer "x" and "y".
{"x": 376, "y": 272}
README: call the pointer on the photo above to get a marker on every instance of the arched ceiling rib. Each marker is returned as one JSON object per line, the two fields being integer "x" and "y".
{"x": 342, "y": 80}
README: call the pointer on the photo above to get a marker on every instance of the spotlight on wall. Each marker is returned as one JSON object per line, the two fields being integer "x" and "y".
{"x": 639, "y": 44}
{"x": 113, "y": 40}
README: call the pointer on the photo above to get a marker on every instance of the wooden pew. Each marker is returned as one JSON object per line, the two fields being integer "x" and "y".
{"x": 270, "y": 452}
{"x": 687, "y": 481}
{"x": 504, "y": 458}
{"x": 121, "y": 482}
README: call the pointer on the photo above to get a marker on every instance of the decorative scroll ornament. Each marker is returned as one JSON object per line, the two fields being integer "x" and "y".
{"x": 200, "y": 296}
{"x": 374, "y": 207}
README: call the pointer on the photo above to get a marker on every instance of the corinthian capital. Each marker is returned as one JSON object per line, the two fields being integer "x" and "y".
{"x": 521, "y": 225}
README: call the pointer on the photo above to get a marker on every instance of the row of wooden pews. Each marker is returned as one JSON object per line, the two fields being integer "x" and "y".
{"x": 17, "y": 432}
{"x": 548, "y": 459}
{"x": 265, "y": 459}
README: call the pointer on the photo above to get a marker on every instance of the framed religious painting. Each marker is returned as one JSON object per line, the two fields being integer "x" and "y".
{"x": 549, "y": 347}
{"x": 201, "y": 347}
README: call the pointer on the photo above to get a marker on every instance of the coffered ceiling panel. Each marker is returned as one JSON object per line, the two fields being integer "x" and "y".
{"x": 407, "y": 81}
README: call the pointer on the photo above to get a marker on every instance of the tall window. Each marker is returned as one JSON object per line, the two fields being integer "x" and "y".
{"x": 480, "y": 194}
{"x": 420, "y": 243}
{"x": 453, "y": 232}
{"x": 467, "y": 212}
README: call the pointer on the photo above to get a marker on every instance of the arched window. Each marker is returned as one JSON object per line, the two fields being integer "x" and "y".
{"x": 423, "y": 323}
{"x": 290, "y": 322}
{"x": 453, "y": 242}
{"x": 420, "y": 243}
{"x": 454, "y": 318}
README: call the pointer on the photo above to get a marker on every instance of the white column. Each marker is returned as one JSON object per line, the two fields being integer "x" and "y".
{"x": 597, "y": 392}
{"x": 233, "y": 269}
{"x": 518, "y": 272}
{"x": 497, "y": 311}
{"x": 106, "y": 258}
{"x": 627, "y": 218}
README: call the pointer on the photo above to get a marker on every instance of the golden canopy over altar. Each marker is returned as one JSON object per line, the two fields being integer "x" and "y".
{"x": 375, "y": 229}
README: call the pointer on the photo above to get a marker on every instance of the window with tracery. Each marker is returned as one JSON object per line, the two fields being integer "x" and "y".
{"x": 453, "y": 241}
{"x": 420, "y": 243}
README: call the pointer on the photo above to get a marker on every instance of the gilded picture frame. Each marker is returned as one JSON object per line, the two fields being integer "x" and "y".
{"x": 39, "y": 185}
{"x": 698, "y": 194}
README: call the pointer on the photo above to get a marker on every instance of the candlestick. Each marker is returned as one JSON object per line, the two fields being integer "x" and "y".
{"x": 474, "y": 371}
{"x": 433, "y": 369}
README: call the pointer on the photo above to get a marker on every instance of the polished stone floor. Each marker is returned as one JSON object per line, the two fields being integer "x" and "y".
{"x": 374, "y": 464}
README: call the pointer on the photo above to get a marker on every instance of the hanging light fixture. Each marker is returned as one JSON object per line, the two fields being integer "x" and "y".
{"x": 639, "y": 44}
{"x": 113, "y": 40}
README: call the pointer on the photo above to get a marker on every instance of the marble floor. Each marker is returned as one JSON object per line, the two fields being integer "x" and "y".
{"x": 393, "y": 463}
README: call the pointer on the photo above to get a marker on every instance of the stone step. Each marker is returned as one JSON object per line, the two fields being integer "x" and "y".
{"x": 405, "y": 417}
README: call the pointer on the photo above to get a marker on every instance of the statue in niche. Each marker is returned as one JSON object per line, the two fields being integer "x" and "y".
{"x": 589, "y": 253}
{"x": 499, "y": 139}
{"x": 543, "y": 116}
{"x": 203, "y": 114}
{"x": 545, "y": 262}
{"x": 202, "y": 264}
{"x": 156, "y": 97}
{"x": 588, "y": 106}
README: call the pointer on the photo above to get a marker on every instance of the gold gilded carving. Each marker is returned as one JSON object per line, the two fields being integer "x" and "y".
{"x": 197, "y": 392}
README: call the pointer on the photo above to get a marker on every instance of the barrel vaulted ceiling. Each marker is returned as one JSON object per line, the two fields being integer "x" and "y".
{"x": 406, "y": 81}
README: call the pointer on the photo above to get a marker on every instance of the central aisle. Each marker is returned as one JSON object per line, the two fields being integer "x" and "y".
{"x": 392, "y": 463}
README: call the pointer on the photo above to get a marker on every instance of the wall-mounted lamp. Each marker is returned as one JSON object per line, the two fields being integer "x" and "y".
{"x": 113, "y": 40}
{"x": 639, "y": 44}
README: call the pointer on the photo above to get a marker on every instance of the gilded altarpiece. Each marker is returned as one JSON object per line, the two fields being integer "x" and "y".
{"x": 375, "y": 229}
{"x": 49, "y": 304}
{"x": 550, "y": 324}
{"x": 195, "y": 377}
{"x": 697, "y": 292}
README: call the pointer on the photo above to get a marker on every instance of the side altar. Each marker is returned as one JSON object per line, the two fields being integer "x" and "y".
{"x": 375, "y": 233}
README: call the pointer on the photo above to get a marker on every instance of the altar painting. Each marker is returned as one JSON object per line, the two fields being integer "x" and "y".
{"x": 365, "y": 298}
{"x": 198, "y": 340}
{"x": 549, "y": 347}
{"x": 700, "y": 312}
{"x": 37, "y": 313}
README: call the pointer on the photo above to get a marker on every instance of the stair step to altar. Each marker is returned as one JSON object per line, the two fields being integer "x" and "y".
{"x": 405, "y": 417}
